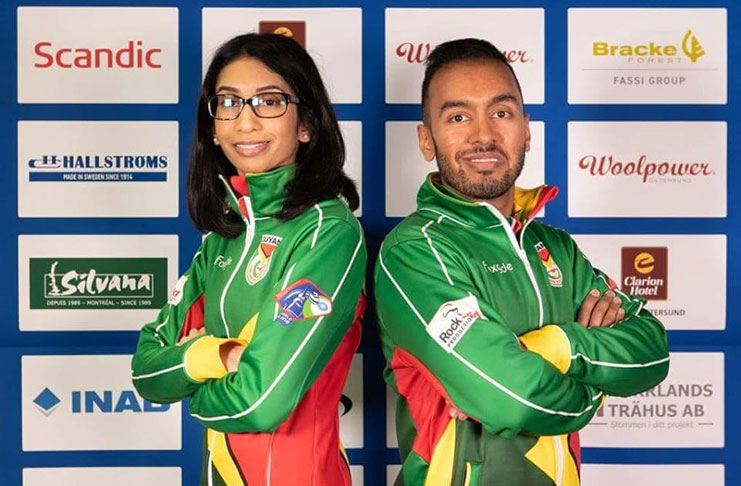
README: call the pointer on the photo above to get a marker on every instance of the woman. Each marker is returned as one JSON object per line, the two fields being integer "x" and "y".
{"x": 259, "y": 333}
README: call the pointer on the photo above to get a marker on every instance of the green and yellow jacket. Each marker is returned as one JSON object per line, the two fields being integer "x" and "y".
{"x": 290, "y": 291}
{"x": 477, "y": 311}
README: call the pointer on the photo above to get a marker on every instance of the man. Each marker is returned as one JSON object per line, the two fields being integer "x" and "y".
{"x": 497, "y": 331}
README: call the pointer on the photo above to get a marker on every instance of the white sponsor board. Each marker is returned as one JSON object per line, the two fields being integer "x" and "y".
{"x": 70, "y": 405}
{"x": 647, "y": 55}
{"x": 352, "y": 131}
{"x": 97, "y": 169}
{"x": 392, "y": 470}
{"x": 94, "y": 282}
{"x": 653, "y": 474}
{"x": 356, "y": 473}
{"x": 685, "y": 410}
{"x": 97, "y": 55}
{"x": 412, "y": 33}
{"x": 95, "y": 476}
{"x": 351, "y": 406}
{"x": 333, "y": 37}
{"x": 647, "y": 169}
{"x": 406, "y": 168}
{"x": 694, "y": 281}
{"x": 391, "y": 399}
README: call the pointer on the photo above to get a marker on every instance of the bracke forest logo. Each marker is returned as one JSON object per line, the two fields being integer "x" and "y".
{"x": 648, "y": 171}
{"x": 645, "y": 272}
{"x": 653, "y": 52}
{"x": 296, "y": 30}
{"x": 133, "y": 55}
{"x": 97, "y": 401}
{"x": 98, "y": 283}
{"x": 417, "y": 53}
{"x": 98, "y": 168}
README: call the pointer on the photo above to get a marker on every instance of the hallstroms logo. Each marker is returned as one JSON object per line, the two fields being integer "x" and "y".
{"x": 98, "y": 283}
{"x": 645, "y": 272}
{"x": 300, "y": 301}
{"x": 259, "y": 264}
{"x": 97, "y": 401}
{"x": 652, "y": 52}
{"x": 643, "y": 168}
{"x": 296, "y": 30}
{"x": 98, "y": 168}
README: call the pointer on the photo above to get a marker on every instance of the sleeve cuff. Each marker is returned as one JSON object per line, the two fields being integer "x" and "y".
{"x": 552, "y": 344}
{"x": 202, "y": 359}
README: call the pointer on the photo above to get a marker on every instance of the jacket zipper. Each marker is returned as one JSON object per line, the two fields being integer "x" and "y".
{"x": 249, "y": 235}
{"x": 269, "y": 462}
{"x": 520, "y": 253}
{"x": 559, "y": 460}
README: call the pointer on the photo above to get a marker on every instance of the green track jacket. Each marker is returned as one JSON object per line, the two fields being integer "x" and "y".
{"x": 291, "y": 292}
{"x": 477, "y": 310}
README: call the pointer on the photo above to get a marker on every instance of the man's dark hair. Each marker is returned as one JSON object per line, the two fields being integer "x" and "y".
{"x": 319, "y": 163}
{"x": 460, "y": 50}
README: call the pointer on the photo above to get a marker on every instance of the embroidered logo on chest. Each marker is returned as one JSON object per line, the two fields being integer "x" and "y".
{"x": 259, "y": 264}
{"x": 300, "y": 301}
{"x": 555, "y": 278}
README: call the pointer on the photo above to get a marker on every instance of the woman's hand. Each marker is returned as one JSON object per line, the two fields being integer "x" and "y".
{"x": 194, "y": 333}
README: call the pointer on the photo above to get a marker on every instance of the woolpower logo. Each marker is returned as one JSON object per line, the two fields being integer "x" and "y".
{"x": 98, "y": 283}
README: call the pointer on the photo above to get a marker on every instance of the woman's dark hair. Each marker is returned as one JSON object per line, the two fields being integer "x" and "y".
{"x": 319, "y": 175}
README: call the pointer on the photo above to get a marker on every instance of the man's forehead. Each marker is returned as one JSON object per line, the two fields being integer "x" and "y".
{"x": 475, "y": 79}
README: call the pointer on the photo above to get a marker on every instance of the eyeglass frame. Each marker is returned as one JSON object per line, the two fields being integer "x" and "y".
{"x": 249, "y": 101}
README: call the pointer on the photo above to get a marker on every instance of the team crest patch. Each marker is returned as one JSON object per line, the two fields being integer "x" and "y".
{"x": 555, "y": 277}
{"x": 300, "y": 301}
{"x": 259, "y": 264}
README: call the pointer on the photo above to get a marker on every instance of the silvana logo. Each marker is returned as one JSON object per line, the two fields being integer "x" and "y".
{"x": 133, "y": 56}
{"x": 98, "y": 167}
{"x": 94, "y": 401}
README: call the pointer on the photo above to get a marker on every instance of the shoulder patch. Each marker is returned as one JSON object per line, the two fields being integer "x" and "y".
{"x": 302, "y": 300}
{"x": 452, "y": 320}
{"x": 177, "y": 294}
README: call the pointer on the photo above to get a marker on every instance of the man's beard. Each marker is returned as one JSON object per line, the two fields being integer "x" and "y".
{"x": 487, "y": 189}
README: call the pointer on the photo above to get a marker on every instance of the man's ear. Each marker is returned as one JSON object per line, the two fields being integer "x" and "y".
{"x": 527, "y": 133}
{"x": 426, "y": 145}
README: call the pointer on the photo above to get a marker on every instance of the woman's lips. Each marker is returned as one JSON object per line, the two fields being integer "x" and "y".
{"x": 250, "y": 149}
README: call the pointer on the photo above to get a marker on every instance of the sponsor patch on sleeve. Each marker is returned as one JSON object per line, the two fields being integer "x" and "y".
{"x": 300, "y": 301}
{"x": 177, "y": 293}
{"x": 452, "y": 320}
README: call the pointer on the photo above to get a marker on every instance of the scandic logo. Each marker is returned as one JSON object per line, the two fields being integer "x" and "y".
{"x": 418, "y": 53}
{"x": 98, "y": 168}
{"x": 133, "y": 56}
{"x": 94, "y": 401}
{"x": 604, "y": 165}
{"x": 98, "y": 283}
{"x": 691, "y": 48}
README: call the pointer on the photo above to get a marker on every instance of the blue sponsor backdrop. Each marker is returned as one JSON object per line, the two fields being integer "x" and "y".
{"x": 373, "y": 112}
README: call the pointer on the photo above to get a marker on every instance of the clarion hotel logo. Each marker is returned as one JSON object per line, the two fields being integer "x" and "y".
{"x": 417, "y": 53}
{"x": 642, "y": 167}
{"x": 645, "y": 272}
{"x": 133, "y": 55}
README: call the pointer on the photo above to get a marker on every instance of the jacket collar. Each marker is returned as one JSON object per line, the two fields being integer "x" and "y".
{"x": 434, "y": 197}
{"x": 259, "y": 195}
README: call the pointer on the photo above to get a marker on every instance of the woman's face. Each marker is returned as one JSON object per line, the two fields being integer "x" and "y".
{"x": 254, "y": 144}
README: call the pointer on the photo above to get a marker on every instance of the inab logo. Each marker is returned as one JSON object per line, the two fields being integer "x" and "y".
{"x": 92, "y": 401}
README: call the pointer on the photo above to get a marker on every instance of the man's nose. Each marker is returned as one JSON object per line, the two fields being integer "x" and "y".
{"x": 485, "y": 131}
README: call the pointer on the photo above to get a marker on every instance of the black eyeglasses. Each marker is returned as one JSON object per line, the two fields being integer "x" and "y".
{"x": 264, "y": 105}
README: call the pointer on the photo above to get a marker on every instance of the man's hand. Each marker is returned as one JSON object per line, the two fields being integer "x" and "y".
{"x": 598, "y": 311}
{"x": 192, "y": 334}
{"x": 231, "y": 353}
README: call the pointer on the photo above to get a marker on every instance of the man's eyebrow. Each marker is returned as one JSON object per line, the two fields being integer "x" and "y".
{"x": 503, "y": 98}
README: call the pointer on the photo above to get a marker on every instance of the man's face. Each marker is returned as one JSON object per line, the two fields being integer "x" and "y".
{"x": 476, "y": 128}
